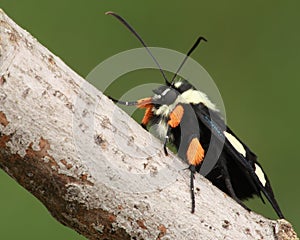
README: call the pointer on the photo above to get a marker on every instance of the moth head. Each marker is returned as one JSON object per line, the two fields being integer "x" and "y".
{"x": 164, "y": 95}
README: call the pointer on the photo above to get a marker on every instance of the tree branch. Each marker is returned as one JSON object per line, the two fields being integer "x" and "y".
{"x": 94, "y": 168}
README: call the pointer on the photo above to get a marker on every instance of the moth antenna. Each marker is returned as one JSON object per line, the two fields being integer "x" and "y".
{"x": 126, "y": 24}
{"x": 133, "y": 103}
{"x": 186, "y": 57}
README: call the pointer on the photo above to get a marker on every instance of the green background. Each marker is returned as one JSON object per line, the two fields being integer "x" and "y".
{"x": 253, "y": 54}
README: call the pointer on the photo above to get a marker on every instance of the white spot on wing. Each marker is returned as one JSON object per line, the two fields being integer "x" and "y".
{"x": 260, "y": 174}
{"x": 235, "y": 143}
{"x": 195, "y": 97}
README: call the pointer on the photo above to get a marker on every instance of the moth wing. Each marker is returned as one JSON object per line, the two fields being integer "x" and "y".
{"x": 238, "y": 152}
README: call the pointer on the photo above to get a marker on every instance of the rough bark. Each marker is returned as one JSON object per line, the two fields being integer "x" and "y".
{"x": 95, "y": 169}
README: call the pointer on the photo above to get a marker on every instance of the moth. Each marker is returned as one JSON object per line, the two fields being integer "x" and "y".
{"x": 187, "y": 119}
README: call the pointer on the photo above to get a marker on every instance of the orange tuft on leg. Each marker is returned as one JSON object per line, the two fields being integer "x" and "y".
{"x": 144, "y": 102}
{"x": 195, "y": 152}
{"x": 148, "y": 114}
{"x": 176, "y": 116}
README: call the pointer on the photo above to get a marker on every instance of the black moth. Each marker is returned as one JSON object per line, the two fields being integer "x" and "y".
{"x": 176, "y": 107}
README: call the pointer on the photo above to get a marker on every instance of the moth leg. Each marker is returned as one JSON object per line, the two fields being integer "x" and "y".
{"x": 228, "y": 185}
{"x": 193, "y": 171}
{"x": 147, "y": 116}
{"x": 195, "y": 156}
{"x": 167, "y": 137}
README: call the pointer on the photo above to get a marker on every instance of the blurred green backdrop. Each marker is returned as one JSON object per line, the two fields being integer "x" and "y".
{"x": 252, "y": 53}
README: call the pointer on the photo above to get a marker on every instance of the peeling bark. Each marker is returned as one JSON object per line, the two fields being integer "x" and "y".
{"x": 92, "y": 166}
